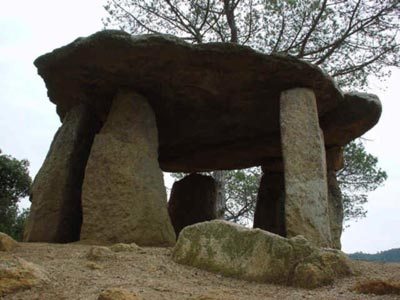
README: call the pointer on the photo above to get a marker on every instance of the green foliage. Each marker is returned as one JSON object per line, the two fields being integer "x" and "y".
{"x": 14, "y": 185}
{"x": 359, "y": 176}
{"x": 241, "y": 189}
{"x": 392, "y": 255}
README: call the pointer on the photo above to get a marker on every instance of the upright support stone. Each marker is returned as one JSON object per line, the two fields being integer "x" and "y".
{"x": 334, "y": 158}
{"x": 306, "y": 195}
{"x": 123, "y": 194}
{"x": 56, "y": 213}
{"x": 270, "y": 211}
{"x": 193, "y": 200}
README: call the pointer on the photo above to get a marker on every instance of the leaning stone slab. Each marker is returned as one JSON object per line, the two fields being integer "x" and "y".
{"x": 55, "y": 214}
{"x": 303, "y": 151}
{"x": 257, "y": 255}
{"x": 123, "y": 194}
{"x": 270, "y": 208}
{"x": 193, "y": 200}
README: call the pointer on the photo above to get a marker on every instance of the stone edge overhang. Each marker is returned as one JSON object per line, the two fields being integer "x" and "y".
{"x": 332, "y": 103}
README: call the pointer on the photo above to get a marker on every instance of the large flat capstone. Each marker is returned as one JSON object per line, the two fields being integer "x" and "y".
{"x": 216, "y": 105}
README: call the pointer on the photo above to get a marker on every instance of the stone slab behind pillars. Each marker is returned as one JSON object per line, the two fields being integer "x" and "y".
{"x": 306, "y": 195}
{"x": 193, "y": 200}
{"x": 123, "y": 194}
{"x": 56, "y": 214}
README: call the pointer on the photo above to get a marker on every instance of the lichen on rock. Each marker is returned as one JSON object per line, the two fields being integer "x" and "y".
{"x": 257, "y": 255}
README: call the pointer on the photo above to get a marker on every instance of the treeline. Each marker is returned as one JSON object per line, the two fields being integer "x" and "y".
{"x": 392, "y": 255}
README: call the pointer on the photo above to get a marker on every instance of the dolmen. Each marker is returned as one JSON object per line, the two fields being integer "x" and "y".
{"x": 134, "y": 106}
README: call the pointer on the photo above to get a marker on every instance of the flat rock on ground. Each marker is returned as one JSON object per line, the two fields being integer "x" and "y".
{"x": 150, "y": 273}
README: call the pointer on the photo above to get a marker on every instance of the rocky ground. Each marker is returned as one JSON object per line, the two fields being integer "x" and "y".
{"x": 75, "y": 271}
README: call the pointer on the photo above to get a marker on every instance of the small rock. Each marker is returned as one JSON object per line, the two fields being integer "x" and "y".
{"x": 117, "y": 294}
{"x": 121, "y": 247}
{"x": 94, "y": 266}
{"x": 7, "y": 243}
{"x": 100, "y": 253}
{"x": 18, "y": 274}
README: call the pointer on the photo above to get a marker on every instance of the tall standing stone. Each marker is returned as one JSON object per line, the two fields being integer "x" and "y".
{"x": 334, "y": 158}
{"x": 56, "y": 213}
{"x": 306, "y": 195}
{"x": 193, "y": 200}
{"x": 270, "y": 209}
{"x": 123, "y": 194}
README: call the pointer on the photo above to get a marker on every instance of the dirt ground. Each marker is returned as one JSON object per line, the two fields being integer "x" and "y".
{"x": 151, "y": 274}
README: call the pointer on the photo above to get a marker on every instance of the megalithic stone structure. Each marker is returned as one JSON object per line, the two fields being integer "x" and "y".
{"x": 303, "y": 151}
{"x": 123, "y": 193}
{"x": 56, "y": 213}
{"x": 201, "y": 108}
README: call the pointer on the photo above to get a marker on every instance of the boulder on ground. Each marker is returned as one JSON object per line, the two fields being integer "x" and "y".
{"x": 18, "y": 274}
{"x": 257, "y": 255}
{"x": 7, "y": 243}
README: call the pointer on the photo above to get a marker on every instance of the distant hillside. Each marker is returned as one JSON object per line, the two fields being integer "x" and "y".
{"x": 392, "y": 255}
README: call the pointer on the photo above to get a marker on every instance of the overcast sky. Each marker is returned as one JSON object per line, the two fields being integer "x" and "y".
{"x": 28, "y": 119}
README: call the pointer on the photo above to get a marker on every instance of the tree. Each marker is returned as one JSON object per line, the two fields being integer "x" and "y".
{"x": 241, "y": 194}
{"x": 350, "y": 39}
{"x": 14, "y": 185}
{"x": 359, "y": 176}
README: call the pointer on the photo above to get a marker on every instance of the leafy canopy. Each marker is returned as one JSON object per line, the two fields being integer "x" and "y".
{"x": 14, "y": 185}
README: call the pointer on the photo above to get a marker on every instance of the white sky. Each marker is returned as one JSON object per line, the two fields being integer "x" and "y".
{"x": 28, "y": 119}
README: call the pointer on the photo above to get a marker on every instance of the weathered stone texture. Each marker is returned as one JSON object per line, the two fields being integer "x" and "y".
{"x": 334, "y": 162}
{"x": 118, "y": 294}
{"x": 17, "y": 274}
{"x": 123, "y": 194}
{"x": 211, "y": 100}
{"x": 257, "y": 255}
{"x": 193, "y": 200}
{"x": 55, "y": 214}
{"x": 335, "y": 200}
{"x": 306, "y": 195}
{"x": 7, "y": 243}
{"x": 270, "y": 211}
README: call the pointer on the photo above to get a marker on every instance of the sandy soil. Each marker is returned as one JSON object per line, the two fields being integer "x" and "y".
{"x": 150, "y": 273}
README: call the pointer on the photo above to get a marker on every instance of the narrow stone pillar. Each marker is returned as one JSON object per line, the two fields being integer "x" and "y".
{"x": 193, "y": 199}
{"x": 334, "y": 159}
{"x": 306, "y": 194}
{"x": 56, "y": 214}
{"x": 270, "y": 210}
{"x": 123, "y": 193}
